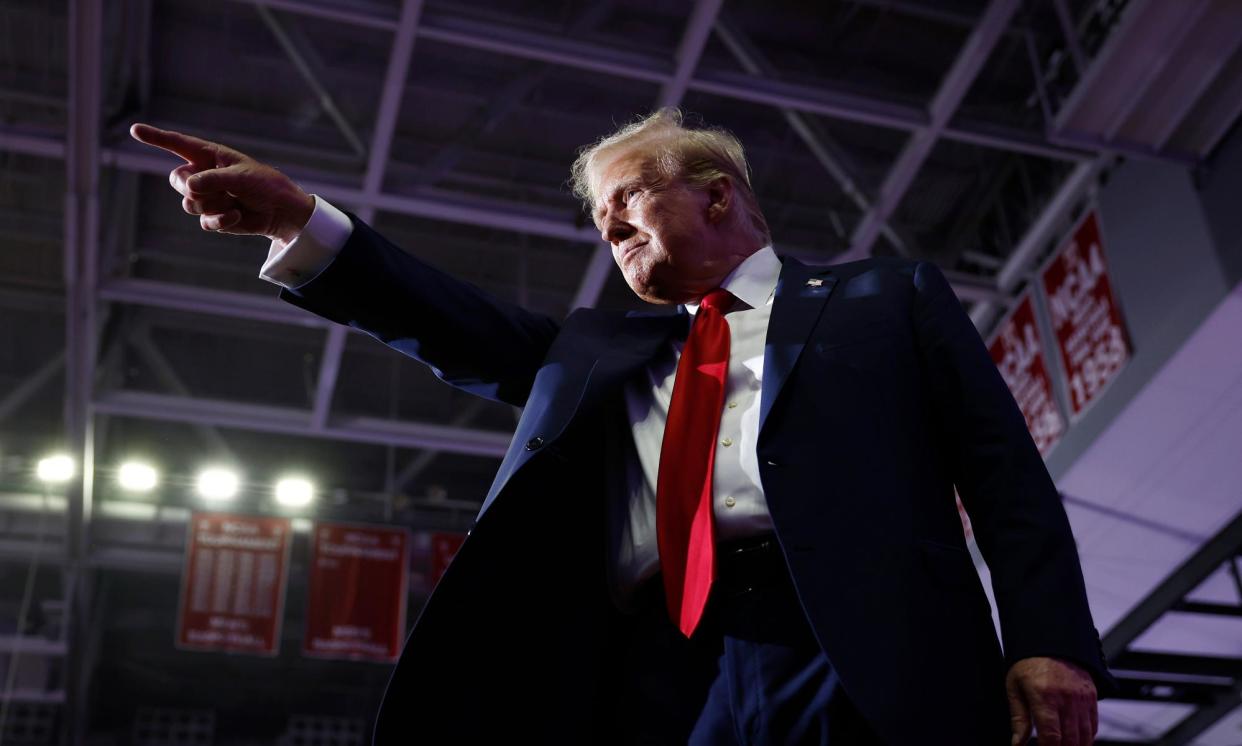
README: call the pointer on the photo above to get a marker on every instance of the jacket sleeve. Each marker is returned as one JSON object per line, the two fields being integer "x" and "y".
{"x": 1014, "y": 507}
{"x": 469, "y": 339}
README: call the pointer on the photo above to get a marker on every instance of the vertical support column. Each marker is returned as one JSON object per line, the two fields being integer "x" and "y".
{"x": 81, "y": 268}
{"x": 377, "y": 161}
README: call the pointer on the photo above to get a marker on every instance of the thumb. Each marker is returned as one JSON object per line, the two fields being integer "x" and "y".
{"x": 1019, "y": 715}
{"x": 213, "y": 181}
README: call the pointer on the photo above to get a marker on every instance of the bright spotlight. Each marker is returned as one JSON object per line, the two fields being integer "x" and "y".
{"x": 136, "y": 476}
{"x": 55, "y": 468}
{"x": 217, "y": 484}
{"x": 294, "y": 492}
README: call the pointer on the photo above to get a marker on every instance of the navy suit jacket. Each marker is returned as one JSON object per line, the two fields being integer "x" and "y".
{"x": 878, "y": 397}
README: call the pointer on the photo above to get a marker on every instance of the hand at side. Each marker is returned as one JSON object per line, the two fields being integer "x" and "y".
{"x": 1057, "y": 697}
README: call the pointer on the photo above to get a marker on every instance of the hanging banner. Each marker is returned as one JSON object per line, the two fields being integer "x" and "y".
{"x": 444, "y": 547}
{"x": 355, "y": 605}
{"x": 1086, "y": 318}
{"x": 233, "y": 583}
{"x": 1019, "y": 354}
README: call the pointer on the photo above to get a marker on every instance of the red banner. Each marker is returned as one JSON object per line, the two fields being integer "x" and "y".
{"x": 1018, "y": 353}
{"x": 356, "y": 598}
{"x": 1086, "y": 319}
{"x": 443, "y": 548}
{"x": 233, "y": 583}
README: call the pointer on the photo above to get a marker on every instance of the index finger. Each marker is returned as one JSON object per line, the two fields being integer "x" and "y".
{"x": 192, "y": 149}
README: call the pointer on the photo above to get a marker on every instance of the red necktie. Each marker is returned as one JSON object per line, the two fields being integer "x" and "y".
{"x": 685, "y": 530}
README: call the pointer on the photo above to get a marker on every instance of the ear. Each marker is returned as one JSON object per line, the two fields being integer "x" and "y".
{"x": 719, "y": 199}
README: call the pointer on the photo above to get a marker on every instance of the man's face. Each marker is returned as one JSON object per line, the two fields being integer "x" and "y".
{"x": 660, "y": 230}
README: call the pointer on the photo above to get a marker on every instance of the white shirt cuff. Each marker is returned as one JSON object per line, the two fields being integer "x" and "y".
{"x": 298, "y": 262}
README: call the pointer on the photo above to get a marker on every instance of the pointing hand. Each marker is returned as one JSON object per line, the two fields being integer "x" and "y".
{"x": 230, "y": 191}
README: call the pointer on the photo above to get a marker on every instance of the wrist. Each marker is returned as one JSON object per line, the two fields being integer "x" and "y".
{"x": 295, "y": 220}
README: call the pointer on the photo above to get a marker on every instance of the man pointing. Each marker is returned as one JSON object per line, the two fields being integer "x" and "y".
{"x": 730, "y": 524}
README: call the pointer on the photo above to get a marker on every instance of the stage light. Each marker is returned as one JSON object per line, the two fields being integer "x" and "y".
{"x": 56, "y": 468}
{"x": 215, "y": 483}
{"x": 136, "y": 476}
{"x": 294, "y": 492}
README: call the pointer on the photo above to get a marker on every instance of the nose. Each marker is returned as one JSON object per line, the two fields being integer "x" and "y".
{"x": 614, "y": 230}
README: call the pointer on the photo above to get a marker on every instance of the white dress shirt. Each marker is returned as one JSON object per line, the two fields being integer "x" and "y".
{"x": 740, "y": 507}
{"x": 737, "y": 494}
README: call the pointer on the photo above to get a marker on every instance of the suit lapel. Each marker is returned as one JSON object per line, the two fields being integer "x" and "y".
{"x": 801, "y": 293}
{"x": 579, "y": 381}
{"x": 632, "y": 348}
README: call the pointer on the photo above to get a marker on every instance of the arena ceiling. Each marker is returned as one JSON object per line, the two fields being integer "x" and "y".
{"x": 931, "y": 130}
{"x": 871, "y": 126}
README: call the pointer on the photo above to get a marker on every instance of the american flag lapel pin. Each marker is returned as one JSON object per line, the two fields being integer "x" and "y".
{"x": 814, "y": 283}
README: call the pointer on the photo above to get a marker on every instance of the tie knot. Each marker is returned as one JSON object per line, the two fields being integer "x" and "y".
{"x": 718, "y": 300}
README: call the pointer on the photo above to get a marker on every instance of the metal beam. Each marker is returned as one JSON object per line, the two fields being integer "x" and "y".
{"x": 1179, "y": 664}
{"x": 515, "y": 91}
{"x": 231, "y": 303}
{"x": 425, "y": 458}
{"x": 966, "y": 67}
{"x": 1070, "y": 31}
{"x": 1170, "y": 689}
{"x": 486, "y": 212}
{"x": 693, "y": 39}
{"x": 82, "y": 159}
{"x": 372, "y": 182}
{"x": 302, "y": 55}
{"x": 390, "y": 100}
{"x": 1205, "y": 607}
{"x": 974, "y": 289}
{"x": 22, "y": 392}
{"x": 290, "y": 421}
{"x": 329, "y": 369}
{"x": 819, "y": 98}
{"x": 1042, "y": 230}
{"x": 168, "y": 378}
{"x": 689, "y": 51}
{"x": 1217, "y": 551}
{"x": 812, "y": 135}
{"x": 234, "y": 304}
{"x": 1203, "y": 718}
{"x": 466, "y": 209}
{"x": 338, "y": 13}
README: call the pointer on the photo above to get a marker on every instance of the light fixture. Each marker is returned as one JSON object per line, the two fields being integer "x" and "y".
{"x": 294, "y": 492}
{"x": 55, "y": 468}
{"x": 136, "y": 476}
{"x": 216, "y": 483}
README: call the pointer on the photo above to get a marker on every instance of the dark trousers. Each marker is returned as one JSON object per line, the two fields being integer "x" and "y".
{"x": 752, "y": 674}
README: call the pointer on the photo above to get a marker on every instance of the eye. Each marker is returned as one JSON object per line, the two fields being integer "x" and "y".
{"x": 631, "y": 193}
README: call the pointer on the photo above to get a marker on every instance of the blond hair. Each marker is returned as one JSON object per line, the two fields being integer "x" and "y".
{"x": 698, "y": 156}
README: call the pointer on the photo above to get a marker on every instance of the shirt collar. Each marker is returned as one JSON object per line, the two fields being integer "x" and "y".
{"x": 753, "y": 281}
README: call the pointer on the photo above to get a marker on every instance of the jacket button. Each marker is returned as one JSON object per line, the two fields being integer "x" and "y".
{"x": 534, "y": 444}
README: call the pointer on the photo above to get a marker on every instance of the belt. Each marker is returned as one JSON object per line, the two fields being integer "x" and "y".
{"x": 742, "y": 566}
{"x": 749, "y": 564}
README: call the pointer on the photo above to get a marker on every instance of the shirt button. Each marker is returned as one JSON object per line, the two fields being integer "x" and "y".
{"x": 534, "y": 444}
{"x": 730, "y": 502}
{"x": 732, "y": 405}
{"x": 727, "y": 442}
